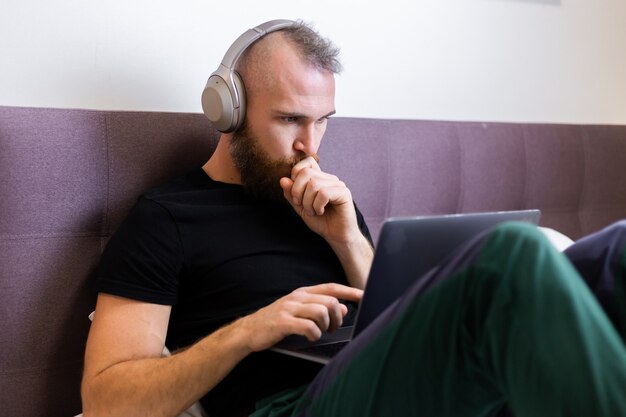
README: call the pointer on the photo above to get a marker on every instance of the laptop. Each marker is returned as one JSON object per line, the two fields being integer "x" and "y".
{"x": 408, "y": 247}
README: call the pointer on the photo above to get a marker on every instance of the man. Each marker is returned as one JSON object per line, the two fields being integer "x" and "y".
{"x": 289, "y": 103}
{"x": 262, "y": 243}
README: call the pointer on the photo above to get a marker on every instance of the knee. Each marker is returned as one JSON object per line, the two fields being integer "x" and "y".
{"x": 616, "y": 235}
{"x": 520, "y": 249}
{"x": 516, "y": 246}
{"x": 612, "y": 236}
{"x": 617, "y": 228}
{"x": 517, "y": 232}
{"x": 520, "y": 264}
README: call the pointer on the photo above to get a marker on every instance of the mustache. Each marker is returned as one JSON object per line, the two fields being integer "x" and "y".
{"x": 286, "y": 165}
{"x": 303, "y": 157}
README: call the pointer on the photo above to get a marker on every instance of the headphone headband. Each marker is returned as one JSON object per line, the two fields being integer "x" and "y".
{"x": 249, "y": 37}
{"x": 223, "y": 98}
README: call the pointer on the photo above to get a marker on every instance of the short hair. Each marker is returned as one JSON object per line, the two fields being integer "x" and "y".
{"x": 314, "y": 49}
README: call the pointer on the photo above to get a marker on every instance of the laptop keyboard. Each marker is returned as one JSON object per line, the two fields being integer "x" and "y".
{"x": 328, "y": 350}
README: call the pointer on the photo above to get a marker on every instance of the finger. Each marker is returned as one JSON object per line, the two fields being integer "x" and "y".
{"x": 299, "y": 318}
{"x": 295, "y": 317}
{"x": 286, "y": 184}
{"x": 335, "y": 195}
{"x": 308, "y": 162}
{"x": 288, "y": 192}
{"x": 326, "y": 310}
{"x": 306, "y": 328}
{"x": 300, "y": 183}
{"x": 310, "y": 192}
{"x": 337, "y": 319}
{"x": 333, "y": 311}
{"x": 308, "y": 183}
{"x": 323, "y": 316}
{"x": 339, "y": 291}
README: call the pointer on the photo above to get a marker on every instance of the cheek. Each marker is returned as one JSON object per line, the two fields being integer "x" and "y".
{"x": 279, "y": 140}
{"x": 321, "y": 130}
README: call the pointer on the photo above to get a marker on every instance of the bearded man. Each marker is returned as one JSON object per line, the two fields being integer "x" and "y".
{"x": 259, "y": 232}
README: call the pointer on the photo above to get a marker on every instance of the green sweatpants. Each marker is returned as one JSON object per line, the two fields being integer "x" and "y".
{"x": 508, "y": 322}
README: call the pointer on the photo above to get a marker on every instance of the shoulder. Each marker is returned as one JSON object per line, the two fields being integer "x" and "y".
{"x": 194, "y": 180}
{"x": 194, "y": 188}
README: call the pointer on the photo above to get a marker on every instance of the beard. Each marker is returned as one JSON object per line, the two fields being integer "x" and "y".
{"x": 260, "y": 174}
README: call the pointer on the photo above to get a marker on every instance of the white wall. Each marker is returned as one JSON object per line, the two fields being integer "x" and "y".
{"x": 500, "y": 60}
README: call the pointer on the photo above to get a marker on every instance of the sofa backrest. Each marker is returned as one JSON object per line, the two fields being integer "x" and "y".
{"x": 574, "y": 173}
{"x": 68, "y": 177}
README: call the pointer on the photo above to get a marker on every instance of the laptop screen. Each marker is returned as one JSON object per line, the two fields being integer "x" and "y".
{"x": 409, "y": 247}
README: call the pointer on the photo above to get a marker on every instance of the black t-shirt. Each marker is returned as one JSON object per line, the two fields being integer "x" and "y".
{"x": 215, "y": 254}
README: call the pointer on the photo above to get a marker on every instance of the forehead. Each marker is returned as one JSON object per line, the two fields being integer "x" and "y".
{"x": 303, "y": 83}
{"x": 295, "y": 86}
{"x": 275, "y": 74}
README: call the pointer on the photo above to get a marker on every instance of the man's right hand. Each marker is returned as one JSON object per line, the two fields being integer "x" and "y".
{"x": 307, "y": 311}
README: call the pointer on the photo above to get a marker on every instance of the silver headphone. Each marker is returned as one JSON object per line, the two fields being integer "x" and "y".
{"x": 224, "y": 97}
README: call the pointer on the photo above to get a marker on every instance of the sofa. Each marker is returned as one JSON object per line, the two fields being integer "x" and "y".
{"x": 68, "y": 177}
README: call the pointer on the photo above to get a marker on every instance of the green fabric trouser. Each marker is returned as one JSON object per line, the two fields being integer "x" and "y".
{"x": 508, "y": 322}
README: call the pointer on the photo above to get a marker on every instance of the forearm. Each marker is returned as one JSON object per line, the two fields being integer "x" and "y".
{"x": 356, "y": 259}
{"x": 164, "y": 386}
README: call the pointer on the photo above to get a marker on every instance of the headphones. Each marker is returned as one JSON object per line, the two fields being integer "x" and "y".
{"x": 224, "y": 97}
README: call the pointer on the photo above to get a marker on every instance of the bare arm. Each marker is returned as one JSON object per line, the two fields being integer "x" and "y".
{"x": 126, "y": 375}
{"x": 356, "y": 258}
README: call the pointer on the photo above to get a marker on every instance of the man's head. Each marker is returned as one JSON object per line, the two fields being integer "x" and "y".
{"x": 313, "y": 49}
{"x": 290, "y": 88}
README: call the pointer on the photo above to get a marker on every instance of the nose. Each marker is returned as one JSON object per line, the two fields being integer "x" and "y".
{"x": 308, "y": 140}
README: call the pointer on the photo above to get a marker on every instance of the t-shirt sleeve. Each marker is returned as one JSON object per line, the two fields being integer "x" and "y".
{"x": 143, "y": 258}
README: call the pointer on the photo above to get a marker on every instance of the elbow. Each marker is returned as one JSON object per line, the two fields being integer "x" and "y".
{"x": 88, "y": 398}
{"x": 85, "y": 399}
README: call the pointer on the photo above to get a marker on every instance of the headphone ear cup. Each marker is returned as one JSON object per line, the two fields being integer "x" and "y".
{"x": 218, "y": 103}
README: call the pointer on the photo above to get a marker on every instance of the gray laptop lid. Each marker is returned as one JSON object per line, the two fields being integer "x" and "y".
{"x": 408, "y": 247}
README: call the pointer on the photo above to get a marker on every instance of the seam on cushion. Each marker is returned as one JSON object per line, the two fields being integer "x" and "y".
{"x": 49, "y": 236}
{"x": 525, "y": 202}
{"x": 584, "y": 135}
{"x": 37, "y": 369}
{"x": 106, "y": 214}
{"x": 460, "y": 202}
{"x": 461, "y": 183}
{"x": 390, "y": 173}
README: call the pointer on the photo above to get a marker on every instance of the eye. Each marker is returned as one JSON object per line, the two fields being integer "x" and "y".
{"x": 290, "y": 119}
{"x": 322, "y": 120}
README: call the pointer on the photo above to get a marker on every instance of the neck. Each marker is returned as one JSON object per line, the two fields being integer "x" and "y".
{"x": 220, "y": 166}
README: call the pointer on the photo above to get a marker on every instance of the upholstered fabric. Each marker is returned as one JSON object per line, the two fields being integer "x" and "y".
{"x": 68, "y": 177}
{"x": 574, "y": 173}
